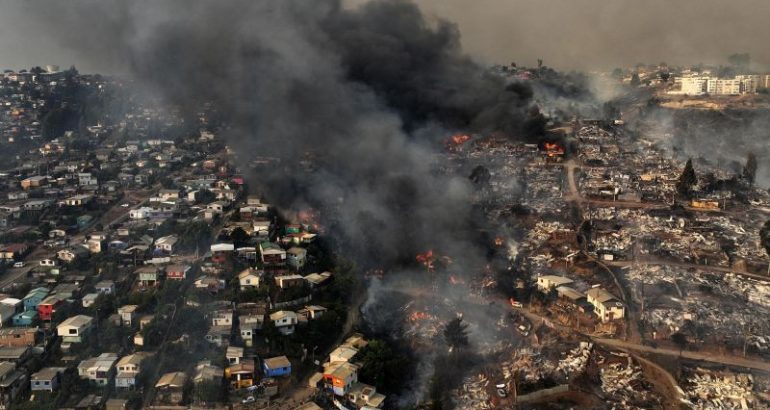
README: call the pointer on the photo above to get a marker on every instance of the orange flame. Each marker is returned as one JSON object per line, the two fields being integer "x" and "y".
{"x": 456, "y": 141}
{"x": 417, "y": 315}
{"x": 460, "y": 139}
{"x": 426, "y": 259}
{"x": 499, "y": 241}
{"x": 553, "y": 149}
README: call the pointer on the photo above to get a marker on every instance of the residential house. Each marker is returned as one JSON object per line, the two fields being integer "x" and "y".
{"x": 25, "y": 318}
{"x": 74, "y": 329}
{"x": 547, "y": 282}
{"x": 272, "y": 254}
{"x": 14, "y": 251}
{"x": 206, "y": 372}
{"x": 106, "y": 287}
{"x": 606, "y": 306}
{"x": 6, "y": 313}
{"x": 234, "y": 355}
{"x": 312, "y": 312}
{"x": 34, "y": 182}
{"x": 249, "y": 324}
{"x": 99, "y": 369}
{"x": 170, "y": 388}
{"x": 127, "y": 369}
{"x": 220, "y": 252}
{"x": 70, "y": 254}
{"x": 276, "y": 366}
{"x": 77, "y": 201}
{"x": 87, "y": 179}
{"x": 289, "y": 281}
{"x": 127, "y": 314}
{"x": 296, "y": 257}
{"x": 284, "y": 321}
{"x": 19, "y": 337}
{"x": 365, "y": 396}
{"x": 219, "y": 335}
{"x": 89, "y": 299}
{"x": 339, "y": 377}
{"x": 13, "y": 382}
{"x": 17, "y": 304}
{"x": 343, "y": 353}
{"x": 15, "y": 355}
{"x": 166, "y": 244}
{"x": 222, "y": 317}
{"x": 315, "y": 280}
{"x": 48, "y": 306}
{"x": 249, "y": 279}
{"x": 47, "y": 379}
{"x": 168, "y": 194}
{"x": 213, "y": 285}
{"x": 241, "y": 375}
{"x": 177, "y": 272}
{"x": 148, "y": 276}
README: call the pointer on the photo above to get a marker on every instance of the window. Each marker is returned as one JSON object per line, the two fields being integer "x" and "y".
{"x": 73, "y": 331}
{"x": 46, "y": 383}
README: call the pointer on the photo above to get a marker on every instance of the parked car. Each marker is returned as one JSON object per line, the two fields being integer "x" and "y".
{"x": 249, "y": 399}
{"x": 19, "y": 264}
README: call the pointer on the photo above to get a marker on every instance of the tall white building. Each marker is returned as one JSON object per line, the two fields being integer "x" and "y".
{"x": 691, "y": 85}
{"x": 717, "y": 86}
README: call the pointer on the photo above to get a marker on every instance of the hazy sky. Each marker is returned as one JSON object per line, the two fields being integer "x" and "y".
{"x": 567, "y": 34}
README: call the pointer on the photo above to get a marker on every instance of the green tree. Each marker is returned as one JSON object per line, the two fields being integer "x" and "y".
{"x": 207, "y": 392}
{"x": 239, "y": 237}
{"x": 750, "y": 169}
{"x": 381, "y": 367}
{"x": 635, "y": 80}
{"x": 687, "y": 180}
{"x": 456, "y": 333}
{"x": 205, "y": 196}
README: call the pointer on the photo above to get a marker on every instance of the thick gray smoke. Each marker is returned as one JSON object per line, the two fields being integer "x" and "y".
{"x": 353, "y": 87}
{"x": 366, "y": 93}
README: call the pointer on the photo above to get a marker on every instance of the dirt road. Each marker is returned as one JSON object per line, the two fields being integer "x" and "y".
{"x": 737, "y": 361}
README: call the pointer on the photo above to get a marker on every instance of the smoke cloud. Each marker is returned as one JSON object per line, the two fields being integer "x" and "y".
{"x": 366, "y": 93}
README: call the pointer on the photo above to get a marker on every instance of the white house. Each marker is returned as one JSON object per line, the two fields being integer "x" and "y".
{"x": 284, "y": 321}
{"x": 73, "y": 329}
{"x": 547, "y": 282}
{"x": 140, "y": 213}
{"x": 128, "y": 367}
{"x": 167, "y": 243}
{"x": 249, "y": 279}
{"x": 106, "y": 287}
{"x": 606, "y": 306}
{"x": 98, "y": 369}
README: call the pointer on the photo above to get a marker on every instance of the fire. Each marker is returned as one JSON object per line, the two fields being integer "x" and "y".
{"x": 499, "y": 241}
{"x": 417, "y": 315}
{"x": 456, "y": 141}
{"x": 426, "y": 259}
{"x": 553, "y": 149}
{"x": 460, "y": 139}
